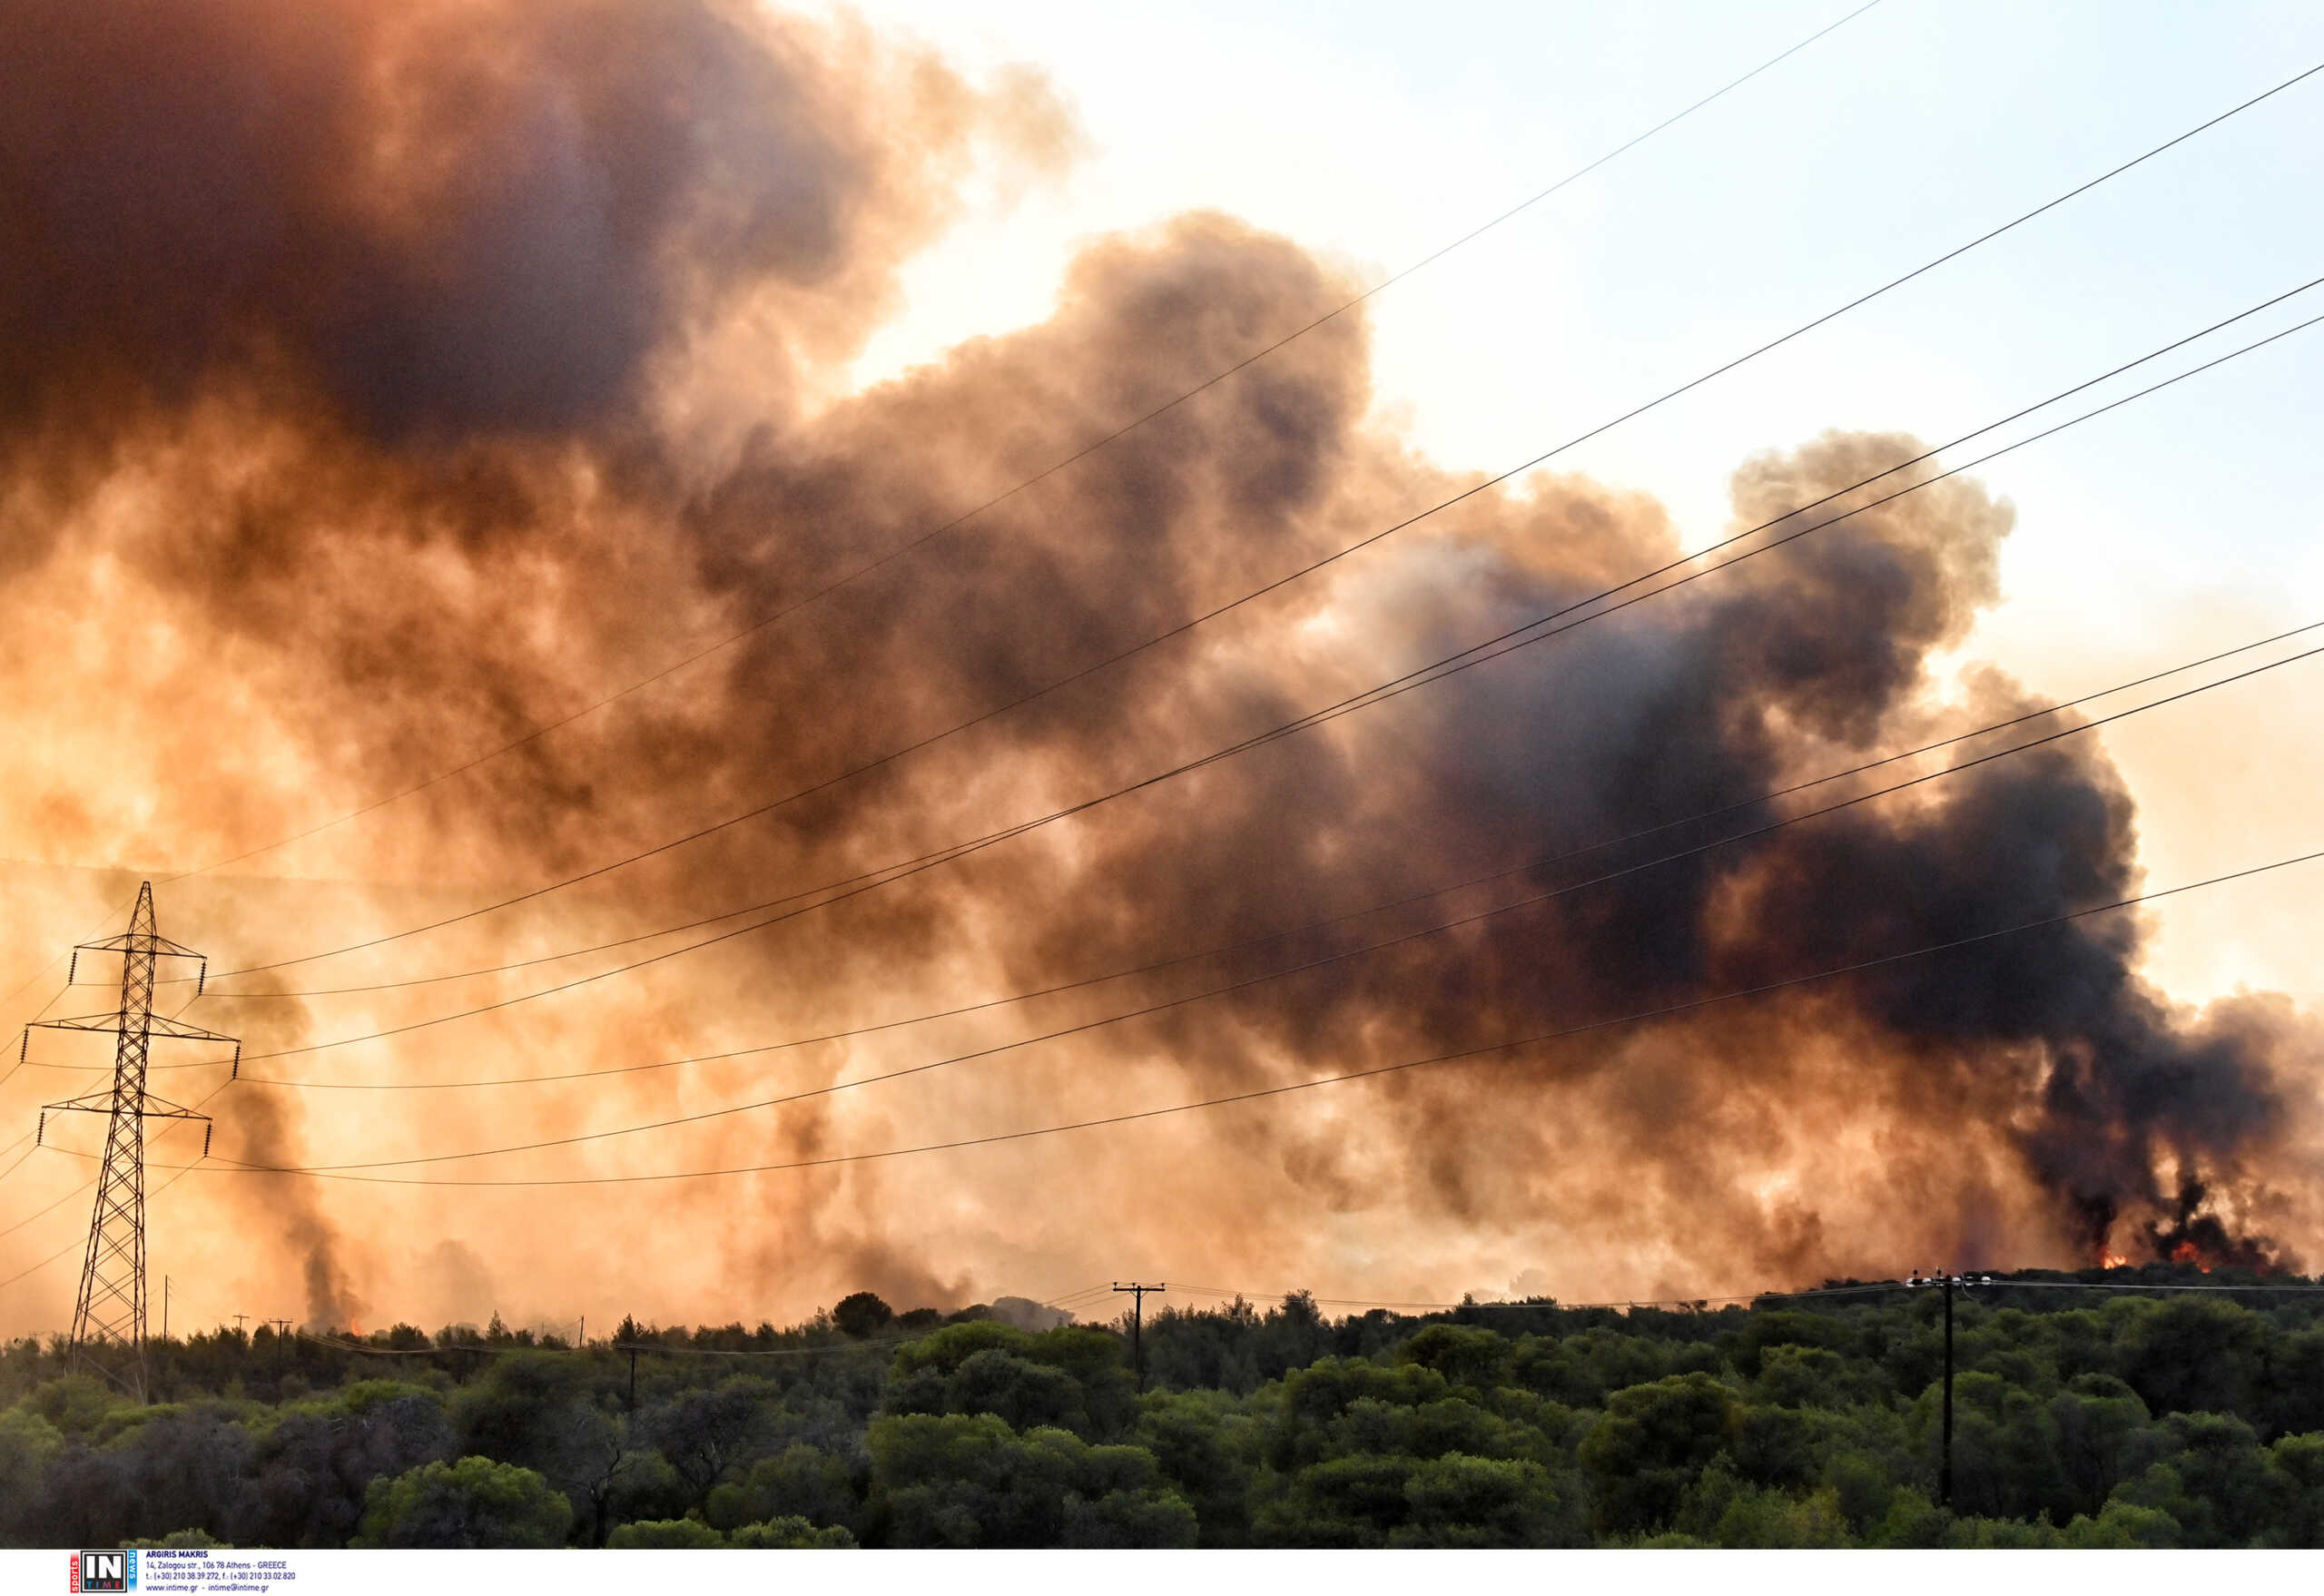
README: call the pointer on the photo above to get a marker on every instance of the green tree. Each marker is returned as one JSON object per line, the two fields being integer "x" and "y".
{"x": 2104, "y": 1437}
{"x": 963, "y": 1479}
{"x": 1206, "y": 1445}
{"x": 315, "y": 1464}
{"x": 2121, "y": 1526}
{"x": 1651, "y": 1443}
{"x": 78, "y": 1405}
{"x": 1457, "y": 1500}
{"x": 2290, "y": 1400}
{"x": 1463, "y": 1356}
{"x": 802, "y": 1482}
{"x": 792, "y": 1534}
{"x": 2190, "y": 1355}
{"x": 2296, "y": 1463}
{"x": 2226, "y": 1492}
{"x": 475, "y": 1503}
{"x": 28, "y": 1446}
{"x": 707, "y": 1434}
{"x": 2005, "y": 1461}
{"x": 1071, "y": 1378}
{"x": 861, "y": 1315}
{"x": 1724, "y": 1508}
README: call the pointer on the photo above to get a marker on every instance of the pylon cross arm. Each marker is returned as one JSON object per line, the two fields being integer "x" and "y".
{"x": 163, "y": 1025}
{"x": 151, "y": 1108}
{"x": 152, "y": 943}
{"x": 97, "y": 1102}
{"x": 155, "y": 1024}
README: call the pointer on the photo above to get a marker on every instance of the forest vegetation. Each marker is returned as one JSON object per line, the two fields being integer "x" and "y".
{"x": 2089, "y": 1413}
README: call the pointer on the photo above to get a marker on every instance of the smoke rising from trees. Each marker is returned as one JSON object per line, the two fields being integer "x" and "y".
{"x": 377, "y": 383}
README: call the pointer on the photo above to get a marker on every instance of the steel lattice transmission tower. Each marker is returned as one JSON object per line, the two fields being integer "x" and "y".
{"x": 109, "y": 1318}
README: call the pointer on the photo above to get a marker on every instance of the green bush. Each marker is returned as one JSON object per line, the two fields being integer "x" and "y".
{"x": 664, "y": 1535}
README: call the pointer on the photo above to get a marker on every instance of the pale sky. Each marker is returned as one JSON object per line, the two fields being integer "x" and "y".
{"x": 1374, "y": 134}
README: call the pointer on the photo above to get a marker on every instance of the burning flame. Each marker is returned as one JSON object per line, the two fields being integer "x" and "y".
{"x": 2187, "y": 1252}
{"x": 2113, "y": 1261}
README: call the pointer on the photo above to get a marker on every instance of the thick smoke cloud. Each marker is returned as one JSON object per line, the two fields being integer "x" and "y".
{"x": 424, "y": 373}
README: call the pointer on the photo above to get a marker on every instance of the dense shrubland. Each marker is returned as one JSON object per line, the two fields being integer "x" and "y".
{"x": 2082, "y": 1419}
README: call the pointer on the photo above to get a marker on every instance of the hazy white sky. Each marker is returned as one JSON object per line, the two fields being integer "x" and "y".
{"x": 1375, "y": 132}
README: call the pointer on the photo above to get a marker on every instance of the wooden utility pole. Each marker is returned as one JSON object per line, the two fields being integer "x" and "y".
{"x": 1950, "y": 1281}
{"x": 1138, "y": 1291}
{"x": 1945, "y": 1488}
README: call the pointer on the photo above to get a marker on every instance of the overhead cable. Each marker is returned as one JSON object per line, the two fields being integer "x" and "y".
{"x": 1192, "y": 623}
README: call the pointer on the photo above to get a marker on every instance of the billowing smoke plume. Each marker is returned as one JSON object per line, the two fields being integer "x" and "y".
{"x": 378, "y": 382}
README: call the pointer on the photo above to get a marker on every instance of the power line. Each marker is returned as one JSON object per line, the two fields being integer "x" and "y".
{"x": 2116, "y": 1286}
{"x": 1205, "y": 952}
{"x": 1516, "y": 637}
{"x": 1539, "y": 1306}
{"x": 876, "y": 1344}
{"x": 179, "y": 1172}
{"x": 111, "y": 916}
{"x": 1552, "y": 1305}
{"x": 1074, "y": 458}
{"x": 1198, "y": 620}
{"x": 51, "y": 1207}
{"x": 1400, "y": 940}
{"x": 1062, "y": 464}
{"x": 1087, "y": 1294}
{"x": 1463, "y": 660}
{"x": 22, "y": 1062}
{"x": 1257, "y": 1094}
{"x": 39, "y": 1014}
{"x": 1061, "y": 987}
{"x": 880, "y": 1342}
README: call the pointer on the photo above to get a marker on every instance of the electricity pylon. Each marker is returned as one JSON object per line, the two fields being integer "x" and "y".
{"x": 109, "y": 1318}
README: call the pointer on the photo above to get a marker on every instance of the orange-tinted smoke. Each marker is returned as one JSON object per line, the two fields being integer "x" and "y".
{"x": 408, "y": 376}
